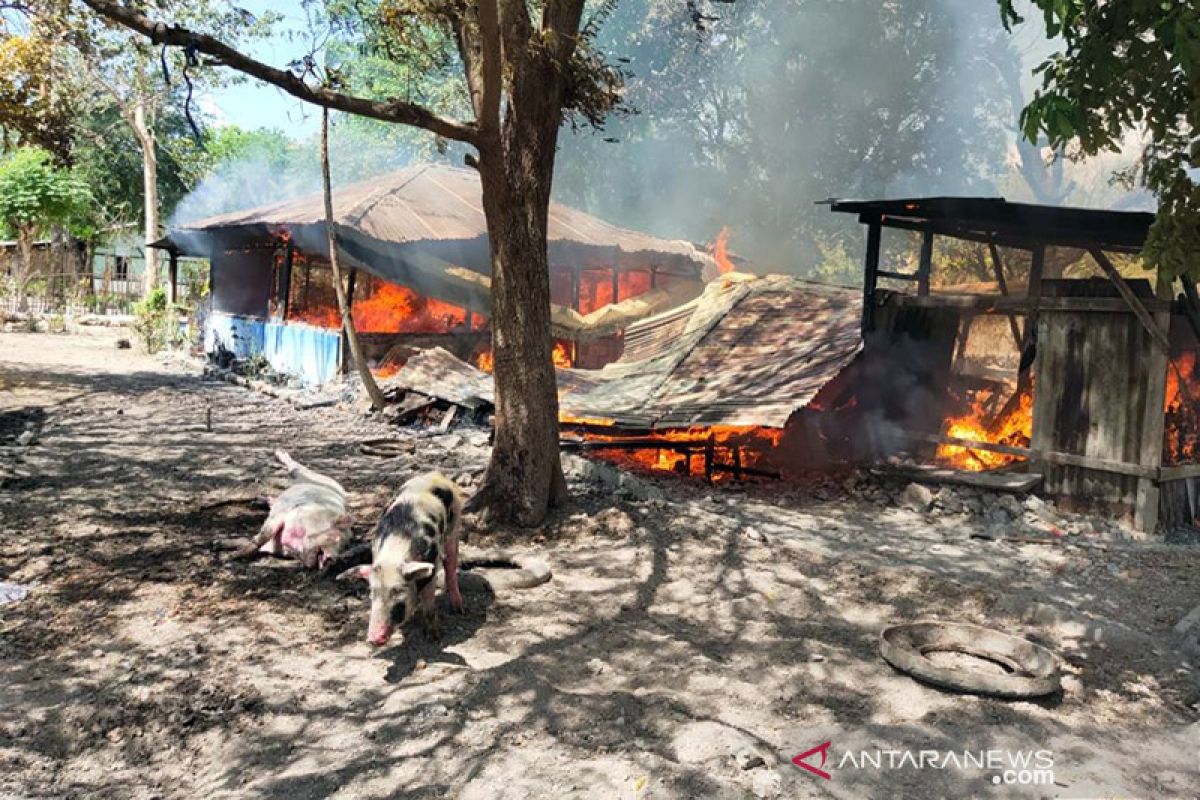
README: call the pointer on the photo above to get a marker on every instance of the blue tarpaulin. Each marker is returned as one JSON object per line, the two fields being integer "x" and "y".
{"x": 243, "y": 336}
{"x": 312, "y": 354}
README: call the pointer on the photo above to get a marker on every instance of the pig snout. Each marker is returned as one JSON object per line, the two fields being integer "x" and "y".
{"x": 379, "y": 636}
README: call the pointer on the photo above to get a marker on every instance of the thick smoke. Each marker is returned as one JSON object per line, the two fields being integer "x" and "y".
{"x": 783, "y": 103}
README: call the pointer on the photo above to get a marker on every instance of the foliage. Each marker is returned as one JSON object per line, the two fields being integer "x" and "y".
{"x": 35, "y": 95}
{"x": 1129, "y": 68}
{"x": 155, "y": 323}
{"x": 35, "y": 193}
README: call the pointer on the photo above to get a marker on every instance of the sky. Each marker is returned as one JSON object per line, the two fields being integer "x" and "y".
{"x": 252, "y": 104}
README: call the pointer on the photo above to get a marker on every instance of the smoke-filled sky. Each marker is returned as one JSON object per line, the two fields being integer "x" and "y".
{"x": 781, "y": 104}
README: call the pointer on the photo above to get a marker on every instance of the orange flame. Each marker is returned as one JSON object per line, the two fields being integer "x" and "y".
{"x": 754, "y": 446}
{"x": 1014, "y": 429}
{"x": 391, "y": 309}
{"x": 720, "y": 251}
{"x": 1181, "y": 439}
{"x": 561, "y": 356}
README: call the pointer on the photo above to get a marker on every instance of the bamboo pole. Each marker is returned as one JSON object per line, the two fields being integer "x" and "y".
{"x": 364, "y": 373}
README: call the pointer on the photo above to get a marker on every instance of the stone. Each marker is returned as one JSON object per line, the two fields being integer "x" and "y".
{"x": 1011, "y": 505}
{"x": 25, "y": 438}
{"x": 754, "y": 534}
{"x": 916, "y": 497}
{"x": 748, "y": 759}
{"x": 949, "y": 501}
{"x": 766, "y": 785}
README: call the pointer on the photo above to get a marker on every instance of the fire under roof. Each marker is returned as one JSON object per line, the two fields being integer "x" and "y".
{"x": 998, "y": 221}
{"x": 747, "y": 352}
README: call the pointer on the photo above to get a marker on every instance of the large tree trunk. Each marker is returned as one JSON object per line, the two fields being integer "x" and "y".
{"x": 150, "y": 195}
{"x": 524, "y": 476}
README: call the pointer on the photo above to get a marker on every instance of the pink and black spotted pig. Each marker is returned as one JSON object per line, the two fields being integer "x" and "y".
{"x": 418, "y": 532}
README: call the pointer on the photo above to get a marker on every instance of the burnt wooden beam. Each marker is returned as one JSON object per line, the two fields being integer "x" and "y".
{"x": 870, "y": 276}
{"x": 998, "y": 271}
{"x": 1191, "y": 304}
{"x": 997, "y": 304}
{"x": 1131, "y": 299}
{"x": 289, "y": 254}
{"x": 173, "y": 277}
{"x": 898, "y": 276}
{"x": 925, "y": 268}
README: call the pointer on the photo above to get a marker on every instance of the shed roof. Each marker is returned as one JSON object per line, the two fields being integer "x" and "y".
{"x": 432, "y": 204}
{"x": 748, "y": 352}
{"x": 994, "y": 219}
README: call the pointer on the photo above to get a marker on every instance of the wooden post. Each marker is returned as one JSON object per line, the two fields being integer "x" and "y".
{"x": 925, "y": 268}
{"x": 653, "y": 276}
{"x": 998, "y": 271}
{"x": 616, "y": 285}
{"x": 1145, "y": 511}
{"x": 351, "y": 280}
{"x": 173, "y": 277}
{"x": 286, "y": 288}
{"x": 870, "y": 276}
{"x": 737, "y": 462}
{"x": 575, "y": 288}
{"x": 709, "y": 456}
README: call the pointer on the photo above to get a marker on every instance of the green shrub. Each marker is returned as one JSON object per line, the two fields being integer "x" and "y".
{"x": 154, "y": 322}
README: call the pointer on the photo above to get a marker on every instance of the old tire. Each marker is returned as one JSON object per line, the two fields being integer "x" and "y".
{"x": 1033, "y": 670}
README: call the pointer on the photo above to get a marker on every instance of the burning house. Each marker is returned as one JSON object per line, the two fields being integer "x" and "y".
{"x": 1061, "y": 369}
{"x": 415, "y": 243}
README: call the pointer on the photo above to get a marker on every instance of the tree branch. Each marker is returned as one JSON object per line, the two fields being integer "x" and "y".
{"x": 493, "y": 70}
{"x": 388, "y": 111}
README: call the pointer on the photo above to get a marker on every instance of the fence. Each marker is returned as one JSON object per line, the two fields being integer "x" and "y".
{"x": 70, "y": 294}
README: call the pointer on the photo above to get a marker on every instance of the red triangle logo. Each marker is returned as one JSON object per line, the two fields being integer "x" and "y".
{"x": 823, "y": 749}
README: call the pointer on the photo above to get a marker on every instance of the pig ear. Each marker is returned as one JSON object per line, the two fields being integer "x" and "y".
{"x": 363, "y": 571}
{"x": 416, "y": 570}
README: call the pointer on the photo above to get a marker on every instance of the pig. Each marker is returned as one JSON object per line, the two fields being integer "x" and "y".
{"x": 418, "y": 532}
{"x": 308, "y": 520}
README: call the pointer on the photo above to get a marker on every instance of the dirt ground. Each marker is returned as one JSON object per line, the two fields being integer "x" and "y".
{"x": 683, "y": 634}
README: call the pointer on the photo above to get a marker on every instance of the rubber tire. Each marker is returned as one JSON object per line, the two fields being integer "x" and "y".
{"x": 1035, "y": 669}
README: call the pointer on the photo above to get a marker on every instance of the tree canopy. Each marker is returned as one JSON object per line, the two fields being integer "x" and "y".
{"x": 1128, "y": 71}
{"x": 35, "y": 193}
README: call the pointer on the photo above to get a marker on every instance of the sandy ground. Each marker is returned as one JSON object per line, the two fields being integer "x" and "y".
{"x": 676, "y": 634}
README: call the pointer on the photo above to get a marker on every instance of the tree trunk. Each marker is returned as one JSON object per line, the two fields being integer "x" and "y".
{"x": 21, "y": 279}
{"x": 150, "y": 196}
{"x": 360, "y": 363}
{"x": 524, "y": 477}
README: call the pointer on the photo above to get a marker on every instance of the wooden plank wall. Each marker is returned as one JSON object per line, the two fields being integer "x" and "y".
{"x": 1090, "y": 398}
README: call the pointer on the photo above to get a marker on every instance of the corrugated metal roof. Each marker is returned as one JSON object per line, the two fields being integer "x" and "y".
{"x": 749, "y": 351}
{"x": 746, "y": 352}
{"x": 431, "y": 203}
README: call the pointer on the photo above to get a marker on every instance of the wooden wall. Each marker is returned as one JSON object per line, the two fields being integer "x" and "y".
{"x": 1098, "y": 385}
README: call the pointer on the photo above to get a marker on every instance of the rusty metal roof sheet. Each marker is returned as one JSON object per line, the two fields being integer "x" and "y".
{"x": 748, "y": 352}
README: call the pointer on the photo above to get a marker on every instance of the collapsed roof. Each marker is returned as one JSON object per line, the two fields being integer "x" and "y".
{"x": 748, "y": 352}
{"x": 423, "y": 227}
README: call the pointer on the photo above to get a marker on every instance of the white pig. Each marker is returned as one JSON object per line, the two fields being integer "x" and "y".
{"x": 308, "y": 520}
